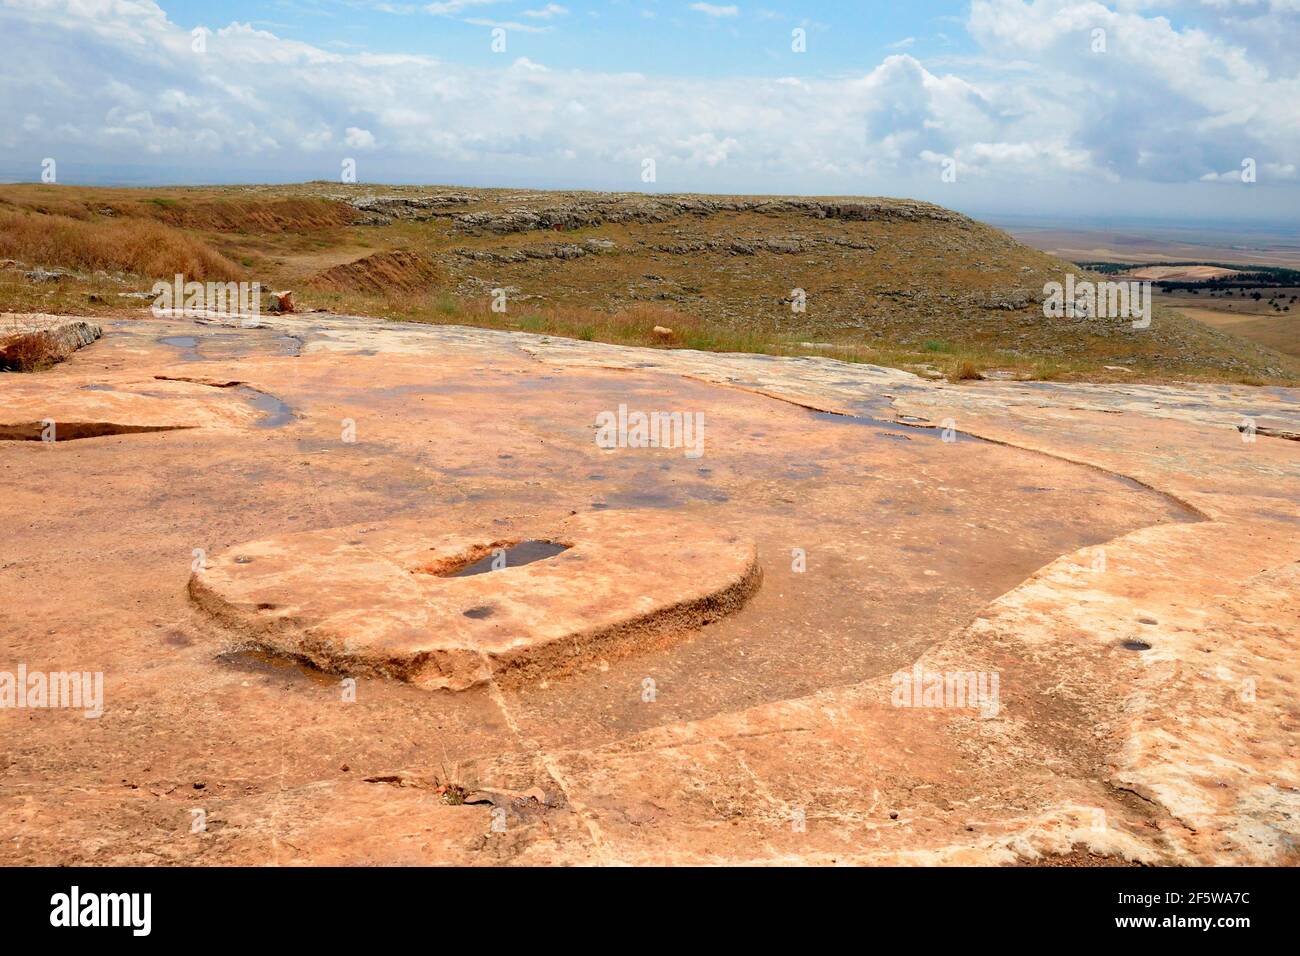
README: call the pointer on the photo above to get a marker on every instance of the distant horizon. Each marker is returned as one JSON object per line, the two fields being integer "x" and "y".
{"x": 1283, "y": 227}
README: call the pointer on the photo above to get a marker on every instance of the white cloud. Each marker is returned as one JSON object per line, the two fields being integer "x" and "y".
{"x": 452, "y": 7}
{"x": 359, "y": 138}
{"x": 1161, "y": 105}
{"x": 705, "y": 148}
{"x": 505, "y": 25}
{"x": 548, "y": 12}
{"x": 713, "y": 10}
{"x": 526, "y": 65}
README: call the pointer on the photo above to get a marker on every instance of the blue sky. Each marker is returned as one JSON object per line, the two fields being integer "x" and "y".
{"x": 648, "y": 36}
{"x": 1162, "y": 109}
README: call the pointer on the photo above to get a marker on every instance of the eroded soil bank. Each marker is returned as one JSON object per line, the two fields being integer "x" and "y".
{"x": 1056, "y": 525}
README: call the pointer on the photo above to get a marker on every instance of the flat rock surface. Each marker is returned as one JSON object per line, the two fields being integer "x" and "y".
{"x": 1123, "y": 559}
{"x": 385, "y": 599}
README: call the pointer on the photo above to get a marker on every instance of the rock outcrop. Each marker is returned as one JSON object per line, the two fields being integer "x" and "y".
{"x": 53, "y": 337}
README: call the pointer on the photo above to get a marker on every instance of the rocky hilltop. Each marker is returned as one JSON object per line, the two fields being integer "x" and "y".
{"x": 891, "y": 281}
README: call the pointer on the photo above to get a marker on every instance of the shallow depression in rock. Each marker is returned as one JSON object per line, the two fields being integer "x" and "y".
{"x": 525, "y": 552}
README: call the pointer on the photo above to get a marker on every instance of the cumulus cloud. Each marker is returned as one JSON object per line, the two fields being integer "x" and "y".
{"x": 1158, "y": 104}
{"x": 1152, "y": 101}
{"x": 359, "y": 138}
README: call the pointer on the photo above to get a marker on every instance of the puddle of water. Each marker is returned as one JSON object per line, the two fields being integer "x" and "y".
{"x": 525, "y": 552}
{"x": 275, "y": 413}
{"x": 1136, "y": 646}
{"x": 890, "y": 429}
{"x": 187, "y": 344}
{"x": 232, "y": 345}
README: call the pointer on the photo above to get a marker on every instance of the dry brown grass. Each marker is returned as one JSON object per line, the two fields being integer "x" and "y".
{"x": 249, "y": 216}
{"x": 964, "y": 370}
{"x": 199, "y": 209}
{"x": 632, "y": 324}
{"x": 396, "y": 272}
{"x": 29, "y": 352}
{"x": 136, "y": 246}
